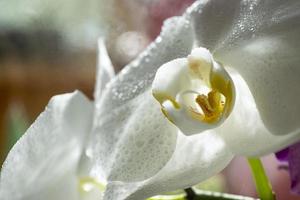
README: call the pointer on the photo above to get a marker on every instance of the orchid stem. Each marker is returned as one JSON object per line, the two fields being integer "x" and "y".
{"x": 262, "y": 183}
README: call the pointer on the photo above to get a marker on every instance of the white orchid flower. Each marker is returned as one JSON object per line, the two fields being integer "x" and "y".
{"x": 136, "y": 149}
{"x": 237, "y": 59}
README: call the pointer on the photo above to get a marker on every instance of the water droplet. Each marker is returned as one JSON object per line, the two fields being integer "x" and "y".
{"x": 140, "y": 143}
{"x": 158, "y": 40}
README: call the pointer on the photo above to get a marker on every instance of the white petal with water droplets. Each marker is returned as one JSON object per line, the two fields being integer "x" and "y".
{"x": 235, "y": 33}
{"x": 244, "y": 132}
{"x": 139, "y": 141}
{"x": 175, "y": 41}
{"x": 261, "y": 40}
{"x": 212, "y": 21}
{"x": 42, "y": 164}
{"x": 200, "y": 156}
{"x": 195, "y": 159}
{"x": 128, "y": 100}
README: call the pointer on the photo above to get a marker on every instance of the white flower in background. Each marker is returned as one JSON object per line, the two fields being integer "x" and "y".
{"x": 44, "y": 163}
{"x": 55, "y": 158}
{"x": 251, "y": 46}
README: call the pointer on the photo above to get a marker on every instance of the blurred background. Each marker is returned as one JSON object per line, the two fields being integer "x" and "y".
{"x": 48, "y": 47}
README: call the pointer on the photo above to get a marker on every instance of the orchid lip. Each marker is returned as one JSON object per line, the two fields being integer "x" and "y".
{"x": 199, "y": 96}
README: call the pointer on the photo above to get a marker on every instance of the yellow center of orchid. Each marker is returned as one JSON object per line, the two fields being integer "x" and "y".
{"x": 212, "y": 106}
{"x": 217, "y": 102}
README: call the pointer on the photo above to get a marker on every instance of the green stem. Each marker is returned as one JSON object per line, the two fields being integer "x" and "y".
{"x": 263, "y": 186}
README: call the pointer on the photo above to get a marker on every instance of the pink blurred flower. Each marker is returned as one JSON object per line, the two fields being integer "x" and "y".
{"x": 161, "y": 10}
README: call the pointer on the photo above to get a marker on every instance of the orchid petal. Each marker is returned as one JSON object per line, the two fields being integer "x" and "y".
{"x": 212, "y": 20}
{"x": 290, "y": 156}
{"x": 105, "y": 69}
{"x": 283, "y": 154}
{"x": 138, "y": 141}
{"x": 42, "y": 165}
{"x": 260, "y": 40}
{"x": 294, "y": 167}
{"x": 195, "y": 159}
{"x": 128, "y": 117}
{"x": 244, "y": 132}
{"x": 175, "y": 40}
